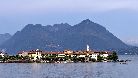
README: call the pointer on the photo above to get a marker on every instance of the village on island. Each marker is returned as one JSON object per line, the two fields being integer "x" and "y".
{"x": 66, "y": 56}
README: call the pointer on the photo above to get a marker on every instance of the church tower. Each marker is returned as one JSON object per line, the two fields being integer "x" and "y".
{"x": 88, "y": 48}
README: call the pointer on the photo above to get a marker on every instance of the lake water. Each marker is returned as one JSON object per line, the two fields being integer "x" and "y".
{"x": 71, "y": 70}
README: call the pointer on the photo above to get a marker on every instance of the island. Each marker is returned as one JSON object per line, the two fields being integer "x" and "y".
{"x": 66, "y": 56}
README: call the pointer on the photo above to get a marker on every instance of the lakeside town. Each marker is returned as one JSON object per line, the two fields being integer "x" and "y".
{"x": 67, "y": 56}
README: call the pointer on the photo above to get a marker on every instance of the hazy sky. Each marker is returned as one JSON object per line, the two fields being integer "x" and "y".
{"x": 119, "y": 16}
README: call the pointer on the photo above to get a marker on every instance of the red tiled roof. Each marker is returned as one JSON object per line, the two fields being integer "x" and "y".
{"x": 74, "y": 52}
{"x": 53, "y": 53}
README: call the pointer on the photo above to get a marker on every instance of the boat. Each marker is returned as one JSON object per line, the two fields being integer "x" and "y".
{"x": 123, "y": 63}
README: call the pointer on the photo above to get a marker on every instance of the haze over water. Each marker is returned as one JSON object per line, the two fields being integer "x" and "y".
{"x": 71, "y": 70}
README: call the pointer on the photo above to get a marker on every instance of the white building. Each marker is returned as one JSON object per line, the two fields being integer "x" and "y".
{"x": 82, "y": 55}
{"x": 94, "y": 55}
{"x": 104, "y": 54}
{"x": 2, "y": 54}
{"x": 61, "y": 55}
{"x": 23, "y": 53}
{"x": 35, "y": 55}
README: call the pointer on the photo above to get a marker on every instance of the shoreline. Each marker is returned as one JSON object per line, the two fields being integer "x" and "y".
{"x": 63, "y": 62}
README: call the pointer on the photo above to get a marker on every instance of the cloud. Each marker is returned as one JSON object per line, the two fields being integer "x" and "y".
{"x": 26, "y": 6}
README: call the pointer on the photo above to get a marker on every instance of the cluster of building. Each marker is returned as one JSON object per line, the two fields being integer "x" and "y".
{"x": 87, "y": 54}
{"x": 66, "y": 56}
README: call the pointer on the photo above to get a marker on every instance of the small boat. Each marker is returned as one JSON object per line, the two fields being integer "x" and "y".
{"x": 123, "y": 63}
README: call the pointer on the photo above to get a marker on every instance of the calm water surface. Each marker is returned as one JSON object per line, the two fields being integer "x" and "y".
{"x": 72, "y": 70}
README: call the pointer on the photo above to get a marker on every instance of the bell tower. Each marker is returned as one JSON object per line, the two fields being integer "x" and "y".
{"x": 88, "y": 47}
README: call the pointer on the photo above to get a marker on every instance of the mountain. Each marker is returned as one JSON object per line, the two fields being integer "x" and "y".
{"x": 63, "y": 36}
{"x": 4, "y": 37}
{"x": 132, "y": 50}
{"x": 133, "y": 42}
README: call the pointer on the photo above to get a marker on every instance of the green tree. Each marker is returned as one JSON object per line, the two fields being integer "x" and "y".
{"x": 1, "y": 57}
{"x": 110, "y": 57}
{"x": 26, "y": 57}
{"x": 99, "y": 58}
{"x": 74, "y": 59}
{"x": 6, "y": 57}
{"x": 12, "y": 57}
{"x": 92, "y": 59}
{"x": 18, "y": 57}
{"x": 114, "y": 56}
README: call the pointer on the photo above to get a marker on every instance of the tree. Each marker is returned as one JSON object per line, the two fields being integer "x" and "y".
{"x": 26, "y": 57}
{"x": 1, "y": 57}
{"x": 18, "y": 57}
{"x": 92, "y": 59}
{"x": 109, "y": 57}
{"x": 12, "y": 57}
{"x": 114, "y": 56}
{"x": 99, "y": 58}
{"x": 6, "y": 57}
{"x": 74, "y": 59}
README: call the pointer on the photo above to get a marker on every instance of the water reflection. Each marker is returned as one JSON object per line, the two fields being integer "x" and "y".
{"x": 71, "y": 70}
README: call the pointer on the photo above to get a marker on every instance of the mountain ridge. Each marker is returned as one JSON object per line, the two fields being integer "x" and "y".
{"x": 4, "y": 37}
{"x": 63, "y": 36}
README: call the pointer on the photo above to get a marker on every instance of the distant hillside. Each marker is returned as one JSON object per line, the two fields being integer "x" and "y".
{"x": 4, "y": 37}
{"x": 132, "y": 50}
{"x": 63, "y": 36}
{"x": 133, "y": 42}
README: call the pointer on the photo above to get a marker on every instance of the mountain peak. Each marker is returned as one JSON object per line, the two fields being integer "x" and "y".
{"x": 32, "y": 26}
{"x": 87, "y": 21}
{"x": 62, "y": 24}
{"x": 4, "y": 37}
